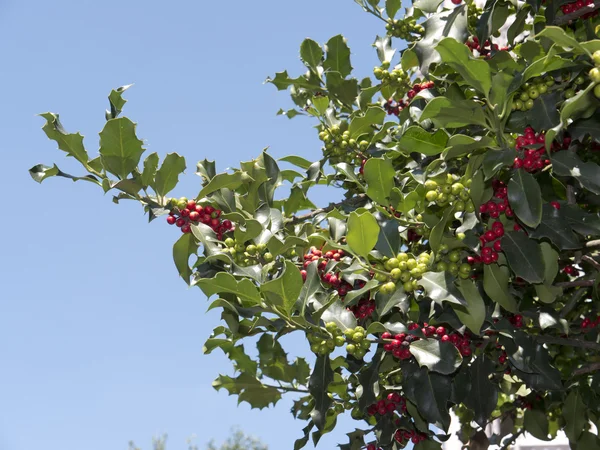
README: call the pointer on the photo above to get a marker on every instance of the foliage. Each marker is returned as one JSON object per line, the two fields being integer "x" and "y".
{"x": 237, "y": 441}
{"x": 458, "y": 272}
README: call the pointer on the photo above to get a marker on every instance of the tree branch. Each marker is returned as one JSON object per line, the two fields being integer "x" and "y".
{"x": 592, "y": 261}
{"x": 578, "y": 295}
{"x": 350, "y": 202}
{"x": 563, "y": 20}
{"x": 593, "y": 244}
{"x": 593, "y": 367}
{"x": 578, "y": 283}
{"x": 287, "y": 388}
{"x": 568, "y": 342}
{"x": 512, "y": 439}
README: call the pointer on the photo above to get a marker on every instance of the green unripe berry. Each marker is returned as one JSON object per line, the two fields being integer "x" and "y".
{"x": 339, "y": 341}
{"x": 396, "y": 274}
{"x": 331, "y": 326}
{"x": 595, "y": 75}
{"x": 268, "y": 257}
{"x": 360, "y": 353}
{"x": 459, "y": 205}
{"x": 405, "y": 276}
{"x": 469, "y": 207}
{"x": 454, "y": 256}
{"x": 365, "y": 345}
{"x": 229, "y": 242}
{"x": 408, "y": 286}
{"x": 443, "y": 248}
{"x": 356, "y": 413}
{"x": 430, "y": 185}
{"x": 351, "y": 348}
{"x": 542, "y": 88}
{"x": 385, "y": 65}
{"x": 363, "y": 145}
{"x": 597, "y": 91}
{"x": 529, "y": 104}
{"x": 457, "y": 188}
{"x": 464, "y": 268}
{"x": 596, "y": 57}
{"x": 315, "y": 348}
{"x": 579, "y": 80}
{"x": 251, "y": 249}
{"x": 416, "y": 273}
{"x": 461, "y": 236}
{"x": 431, "y": 196}
{"x": 391, "y": 263}
{"x": 453, "y": 268}
{"x": 388, "y": 288}
{"x": 358, "y": 337}
{"x": 447, "y": 189}
{"x": 182, "y": 204}
{"x": 549, "y": 80}
{"x": 352, "y": 142}
{"x": 533, "y": 93}
{"x": 442, "y": 199}
{"x": 463, "y": 275}
{"x": 518, "y": 104}
{"x": 569, "y": 93}
{"x": 380, "y": 277}
{"x": 422, "y": 267}
{"x": 411, "y": 264}
{"x": 464, "y": 195}
{"x": 442, "y": 266}
{"x": 524, "y": 97}
{"x": 262, "y": 247}
{"x": 402, "y": 257}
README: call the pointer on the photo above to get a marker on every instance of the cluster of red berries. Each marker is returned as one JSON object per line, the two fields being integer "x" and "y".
{"x": 394, "y": 107}
{"x": 399, "y": 344}
{"x": 576, "y": 6}
{"x": 588, "y": 323}
{"x": 393, "y": 402}
{"x": 493, "y": 208}
{"x": 193, "y": 213}
{"x": 485, "y": 49}
{"x": 363, "y": 309}
{"x": 489, "y": 255}
{"x": 333, "y": 279}
{"x": 533, "y": 159}
{"x": 372, "y": 447}
{"x": 408, "y": 435}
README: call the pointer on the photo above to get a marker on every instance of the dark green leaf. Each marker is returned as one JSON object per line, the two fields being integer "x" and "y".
{"x": 319, "y": 380}
{"x": 437, "y": 356}
{"x": 385, "y": 52}
{"x": 446, "y": 113}
{"x": 581, "y": 221}
{"x": 224, "y": 180}
{"x": 150, "y": 166}
{"x": 556, "y": 229}
{"x": 494, "y": 160}
{"x": 544, "y": 114}
{"x": 117, "y": 101}
{"x": 310, "y": 287}
{"x": 368, "y": 391}
{"x": 430, "y": 392}
{"x": 536, "y": 423}
{"x": 524, "y": 256}
{"x": 567, "y": 163}
{"x": 586, "y": 127}
{"x": 249, "y": 389}
{"x": 385, "y": 303}
{"x": 483, "y": 395}
{"x": 120, "y": 148}
{"x": 182, "y": 250}
{"x": 440, "y": 288}
{"x": 40, "y": 172}
{"x": 525, "y": 197}
{"x": 574, "y": 415}
{"x": 495, "y": 284}
{"x": 388, "y": 242}
{"x": 226, "y": 283}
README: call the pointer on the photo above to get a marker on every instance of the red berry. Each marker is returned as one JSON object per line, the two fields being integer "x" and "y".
{"x": 499, "y": 232}
{"x": 227, "y": 224}
{"x": 486, "y": 251}
{"x": 171, "y": 220}
{"x": 445, "y": 338}
{"x": 386, "y": 335}
{"x": 483, "y": 209}
{"x": 185, "y": 212}
{"x": 555, "y": 205}
{"x": 490, "y": 236}
{"x": 303, "y": 273}
{"x": 186, "y": 228}
{"x": 180, "y": 222}
{"x": 195, "y": 216}
{"x": 440, "y": 331}
{"x": 487, "y": 259}
{"x": 371, "y": 447}
{"x": 498, "y": 246}
{"x": 191, "y": 205}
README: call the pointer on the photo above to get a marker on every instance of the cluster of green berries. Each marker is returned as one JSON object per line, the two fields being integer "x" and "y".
{"x": 323, "y": 345}
{"x": 523, "y": 99}
{"x": 358, "y": 344}
{"x": 247, "y": 254}
{"x": 405, "y": 28}
{"x": 451, "y": 262}
{"x": 449, "y": 191}
{"x": 396, "y": 79}
{"x": 594, "y": 73}
{"x": 405, "y": 269}
{"x": 473, "y": 14}
{"x": 338, "y": 144}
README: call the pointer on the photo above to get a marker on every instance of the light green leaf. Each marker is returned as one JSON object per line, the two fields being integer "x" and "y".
{"x": 437, "y": 356}
{"x": 224, "y": 180}
{"x": 574, "y": 415}
{"x": 286, "y": 289}
{"x": 338, "y": 56}
{"x": 392, "y": 7}
{"x": 185, "y": 246}
{"x": 440, "y": 288}
{"x": 447, "y": 113}
{"x": 150, "y": 166}
{"x": 71, "y": 143}
{"x": 474, "y": 71}
{"x": 379, "y": 174}
{"x": 560, "y": 37}
{"x": 120, "y": 148}
{"x": 363, "y": 231}
{"x": 361, "y": 125}
{"x": 416, "y": 139}
{"x": 495, "y": 284}
{"x": 226, "y": 283}
{"x": 167, "y": 176}
{"x": 473, "y": 314}
{"x": 311, "y": 53}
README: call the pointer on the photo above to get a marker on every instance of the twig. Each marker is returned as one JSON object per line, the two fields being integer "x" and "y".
{"x": 577, "y": 283}
{"x": 350, "y": 201}
{"x": 562, "y": 20}
{"x": 572, "y": 302}
{"x": 512, "y": 439}
{"x": 287, "y": 389}
{"x": 568, "y": 342}
{"x": 592, "y": 261}
{"x": 592, "y": 244}
{"x": 593, "y": 367}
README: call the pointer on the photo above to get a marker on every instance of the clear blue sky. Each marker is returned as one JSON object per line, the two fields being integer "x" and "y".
{"x": 100, "y": 342}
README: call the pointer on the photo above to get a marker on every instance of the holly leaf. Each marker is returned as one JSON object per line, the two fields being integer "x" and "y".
{"x": 525, "y": 197}
{"x": 483, "y": 395}
{"x": 440, "y": 288}
{"x": 120, "y": 148}
{"x": 475, "y": 72}
{"x": 318, "y": 383}
{"x": 224, "y": 282}
{"x": 385, "y": 303}
{"x": 361, "y": 125}
{"x": 388, "y": 241}
{"x": 416, "y": 139}
{"x": 568, "y": 164}
{"x": 582, "y": 222}
{"x": 495, "y": 285}
{"x": 574, "y": 415}
{"x": 544, "y": 114}
{"x": 224, "y": 180}
{"x": 392, "y": 7}
{"x": 556, "y": 229}
{"x": 536, "y": 424}
{"x": 185, "y": 246}
{"x": 524, "y": 256}
{"x": 338, "y": 56}
{"x": 430, "y": 392}
{"x": 379, "y": 174}
{"x": 363, "y": 232}
{"x": 70, "y": 143}
{"x": 311, "y": 53}
{"x": 285, "y": 290}
{"x": 453, "y": 113}
{"x": 150, "y": 166}
{"x": 167, "y": 176}
{"x": 249, "y": 389}
{"x": 473, "y": 314}
{"x": 437, "y": 356}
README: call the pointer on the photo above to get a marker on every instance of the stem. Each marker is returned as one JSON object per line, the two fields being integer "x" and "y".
{"x": 287, "y": 388}
{"x": 512, "y": 439}
{"x": 593, "y": 244}
{"x": 568, "y": 342}
{"x": 593, "y": 367}
{"x": 350, "y": 201}
{"x": 592, "y": 261}
{"x": 562, "y": 20}
{"x": 578, "y": 295}
{"x": 569, "y": 284}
